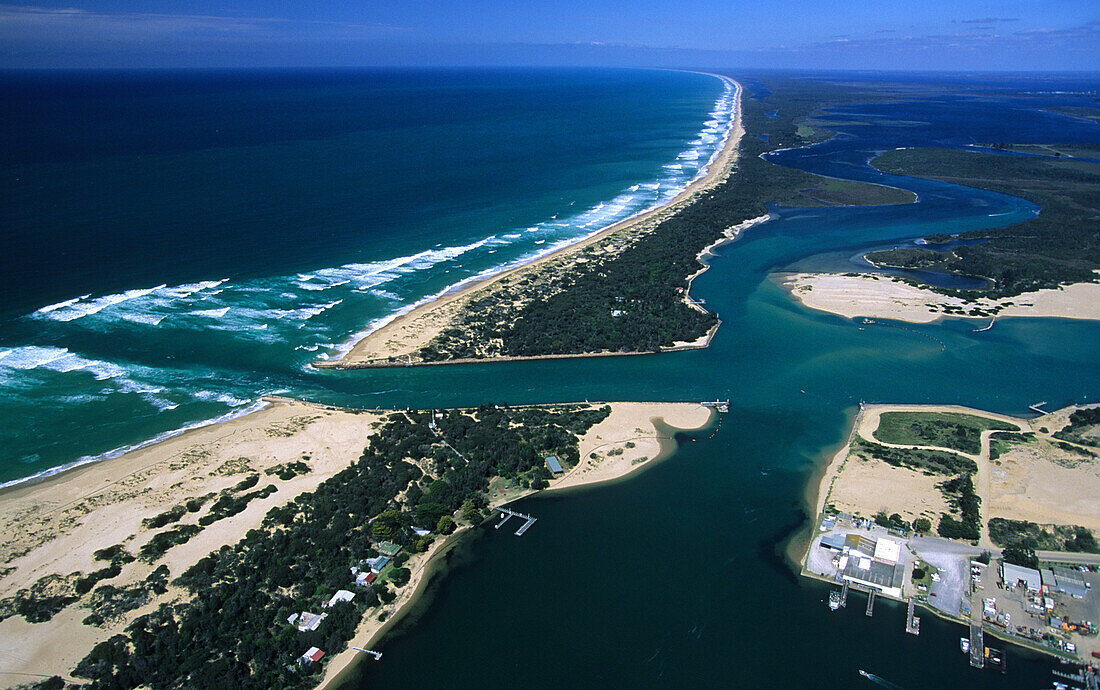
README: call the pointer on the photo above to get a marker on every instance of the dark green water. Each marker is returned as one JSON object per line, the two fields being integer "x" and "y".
{"x": 675, "y": 577}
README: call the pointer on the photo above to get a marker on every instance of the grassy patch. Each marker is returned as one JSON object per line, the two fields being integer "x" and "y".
{"x": 960, "y": 432}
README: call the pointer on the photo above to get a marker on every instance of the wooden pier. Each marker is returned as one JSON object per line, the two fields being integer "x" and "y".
{"x": 509, "y": 514}
{"x": 720, "y": 405}
{"x": 977, "y": 645}
{"x": 844, "y": 595}
{"x": 912, "y": 623}
{"x": 870, "y": 602}
{"x": 377, "y": 655}
{"x": 1038, "y": 407}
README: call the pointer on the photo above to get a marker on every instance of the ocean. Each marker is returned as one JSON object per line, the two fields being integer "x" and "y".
{"x": 180, "y": 243}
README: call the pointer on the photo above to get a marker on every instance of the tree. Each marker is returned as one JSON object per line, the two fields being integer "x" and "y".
{"x": 1021, "y": 556}
{"x": 400, "y": 577}
{"x": 446, "y": 525}
{"x": 922, "y": 524}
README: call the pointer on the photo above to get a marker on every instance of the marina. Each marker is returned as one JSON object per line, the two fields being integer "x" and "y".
{"x": 509, "y": 514}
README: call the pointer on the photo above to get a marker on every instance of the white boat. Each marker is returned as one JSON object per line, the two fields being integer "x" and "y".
{"x": 834, "y": 600}
{"x": 964, "y": 644}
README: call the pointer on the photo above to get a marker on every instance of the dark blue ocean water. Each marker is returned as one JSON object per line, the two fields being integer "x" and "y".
{"x": 178, "y": 243}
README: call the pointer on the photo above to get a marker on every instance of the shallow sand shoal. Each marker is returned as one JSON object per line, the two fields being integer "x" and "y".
{"x": 54, "y": 525}
{"x": 637, "y": 424}
{"x": 408, "y": 333}
{"x": 882, "y": 297}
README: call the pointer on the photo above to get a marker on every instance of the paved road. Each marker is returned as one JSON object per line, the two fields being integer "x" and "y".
{"x": 1064, "y": 557}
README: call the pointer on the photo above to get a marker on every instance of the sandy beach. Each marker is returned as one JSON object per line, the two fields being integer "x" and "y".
{"x": 406, "y": 334}
{"x": 631, "y": 438}
{"x": 879, "y": 296}
{"x": 1038, "y": 481}
{"x": 53, "y": 526}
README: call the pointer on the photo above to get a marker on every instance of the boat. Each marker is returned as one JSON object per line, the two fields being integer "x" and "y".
{"x": 834, "y": 600}
{"x": 864, "y": 673}
{"x": 964, "y": 644}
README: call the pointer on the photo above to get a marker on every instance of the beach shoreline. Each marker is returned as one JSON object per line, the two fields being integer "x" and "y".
{"x": 374, "y": 349}
{"x": 879, "y": 296}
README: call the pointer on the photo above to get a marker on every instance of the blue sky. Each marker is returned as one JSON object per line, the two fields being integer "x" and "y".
{"x": 882, "y": 34}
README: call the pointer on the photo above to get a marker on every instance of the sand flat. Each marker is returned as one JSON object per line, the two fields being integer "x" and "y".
{"x": 882, "y": 297}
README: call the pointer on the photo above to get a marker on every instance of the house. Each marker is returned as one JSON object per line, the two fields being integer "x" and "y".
{"x": 342, "y": 595}
{"x": 365, "y": 578}
{"x": 377, "y": 564}
{"x": 390, "y": 549}
{"x": 553, "y": 464}
{"x": 833, "y": 541}
{"x": 421, "y": 532}
{"x": 306, "y": 621}
{"x": 311, "y": 655}
{"x": 1014, "y": 575}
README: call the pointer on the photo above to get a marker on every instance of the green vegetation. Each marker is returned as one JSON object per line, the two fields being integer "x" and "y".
{"x": 929, "y": 462}
{"x": 109, "y": 602}
{"x": 631, "y": 299}
{"x": 41, "y": 601}
{"x": 960, "y": 432}
{"x": 1003, "y": 441}
{"x": 160, "y": 543}
{"x": 1021, "y": 556}
{"x": 173, "y": 514}
{"x": 288, "y": 470}
{"x": 1061, "y": 245}
{"x": 962, "y": 498}
{"x": 833, "y": 192}
{"x": 231, "y": 632}
{"x": 1082, "y": 427}
{"x": 1049, "y": 537}
{"x": 114, "y": 554}
{"x": 229, "y": 505}
{"x": 922, "y": 524}
{"x": 893, "y": 521}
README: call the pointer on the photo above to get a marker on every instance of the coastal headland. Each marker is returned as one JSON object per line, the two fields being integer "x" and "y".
{"x": 174, "y": 504}
{"x": 950, "y": 483}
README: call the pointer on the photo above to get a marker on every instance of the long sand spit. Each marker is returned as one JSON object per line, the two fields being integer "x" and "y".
{"x": 407, "y": 334}
{"x": 53, "y": 526}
